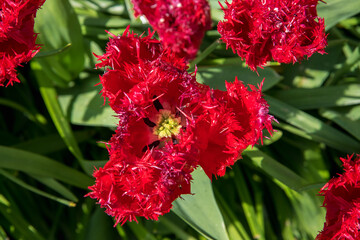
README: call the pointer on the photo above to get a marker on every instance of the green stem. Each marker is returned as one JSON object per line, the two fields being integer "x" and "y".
{"x": 205, "y": 53}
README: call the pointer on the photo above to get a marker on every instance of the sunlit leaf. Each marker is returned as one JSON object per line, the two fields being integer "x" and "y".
{"x": 215, "y": 76}
{"x": 340, "y": 95}
{"x": 58, "y": 26}
{"x": 336, "y": 10}
{"x": 318, "y": 130}
{"x": 200, "y": 210}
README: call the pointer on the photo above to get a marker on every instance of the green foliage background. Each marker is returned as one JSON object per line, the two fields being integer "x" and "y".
{"x": 54, "y": 123}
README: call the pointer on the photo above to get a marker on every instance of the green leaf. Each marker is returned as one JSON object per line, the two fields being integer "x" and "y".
{"x": 318, "y": 130}
{"x": 242, "y": 188}
{"x": 173, "y": 227}
{"x": 100, "y": 6}
{"x": 282, "y": 213}
{"x": 233, "y": 224}
{"x": 100, "y": 226}
{"x": 3, "y": 234}
{"x": 336, "y": 10}
{"x": 50, "y": 143}
{"x": 215, "y": 76}
{"x": 32, "y": 163}
{"x": 58, "y": 26}
{"x": 99, "y": 33}
{"x": 49, "y": 95}
{"x": 21, "y": 227}
{"x": 204, "y": 54}
{"x": 340, "y": 95}
{"x": 273, "y": 168}
{"x": 90, "y": 59}
{"x": 216, "y": 13}
{"x": 89, "y": 166}
{"x": 292, "y": 129}
{"x": 268, "y": 139}
{"x": 347, "y": 118}
{"x": 308, "y": 212}
{"x": 35, "y": 190}
{"x": 53, "y": 52}
{"x": 36, "y": 117}
{"x": 104, "y": 22}
{"x": 313, "y": 72}
{"x": 200, "y": 210}
{"x": 56, "y": 186}
{"x": 140, "y": 231}
{"x": 352, "y": 59}
{"x": 85, "y": 106}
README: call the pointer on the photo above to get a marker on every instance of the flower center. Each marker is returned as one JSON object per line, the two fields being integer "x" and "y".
{"x": 168, "y": 125}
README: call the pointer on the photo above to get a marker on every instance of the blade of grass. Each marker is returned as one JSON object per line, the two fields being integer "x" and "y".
{"x": 50, "y": 143}
{"x": 291, "y": 129}
{"x": 38, "y": 118}
{"x": 121, "y": 232}
{"x": 247, "y": 205}
{"x": 53, "y": 52}
{"x": 25, "y": 229}
{"x": 104, "y": 22}
{"x": 258, "y": 199}
{"x": 318, "y": 130}
{"x": 345, "y": 68}
{"x": 268, "y": 140}
{"x": 35, "y": 190}
{"x": 49, "y": 95}
{"x": 333, "y": 96}
{"x": 56, "y": 186}
{"x": 347, "y": 118}
{"x": 308, "y": 212}
{"x": 37, "y": 164}
{"x": 232, "y": 217}
{"x": 273, "y": 168}
{"x": 55, "y": 223}
{"x": 99, "y": 226}
{"x": 3, "y": 234}
{"x": 204, "y": 54}
{"x": 281, "y": 211}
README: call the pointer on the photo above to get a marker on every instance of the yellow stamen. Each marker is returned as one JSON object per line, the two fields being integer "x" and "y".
{"x": 168, "y": 125}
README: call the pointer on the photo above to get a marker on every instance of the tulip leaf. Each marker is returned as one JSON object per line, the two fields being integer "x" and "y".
{"x": 336, "y": 10}
{"x": 273, "y": 168}
{"x": 35, "y": 190}
{"x": 63, "y": 30}
{"x": 347, "y": 118}
{"x": 32, "y": 163}
{"x": 215, "y": 76}
{"x": 333, "y": 96}
{"x": 85, "y": 106}
{"x": 318, "y": 130}
{"x": 22, "y": 229}
{"x": 200, "y": 210}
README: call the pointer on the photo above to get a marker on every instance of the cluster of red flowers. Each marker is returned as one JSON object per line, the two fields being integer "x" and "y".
{"x": 342, "y": 202}
{"x": 168, "y": 125}
{"x": 17, "y": 37}
{"x": 285, "y": 31}
{"x": 181, "y": 25}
